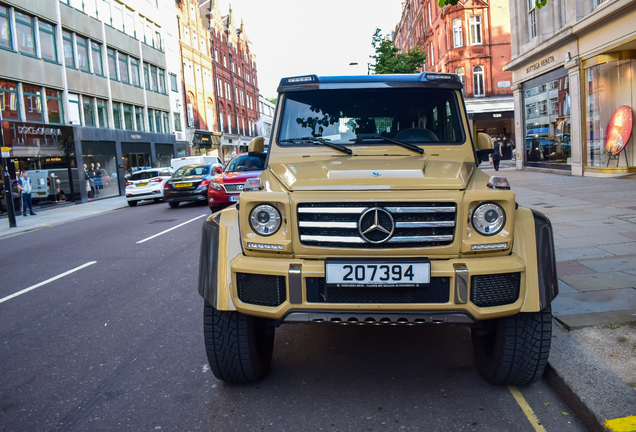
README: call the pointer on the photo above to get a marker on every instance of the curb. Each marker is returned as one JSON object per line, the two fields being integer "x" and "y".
{"x": 593, "y": 392}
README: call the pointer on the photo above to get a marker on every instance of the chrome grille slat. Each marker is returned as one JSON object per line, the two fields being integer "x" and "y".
{"x": 233, "y": 187}
{"x": 415, "y": 224}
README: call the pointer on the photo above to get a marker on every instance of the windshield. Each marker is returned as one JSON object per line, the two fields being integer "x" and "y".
{"x": 245, "y": 163}
{"x": 145, "y": 175}
{"x": 192, "y": 170}
{"x": 410, "y": 115}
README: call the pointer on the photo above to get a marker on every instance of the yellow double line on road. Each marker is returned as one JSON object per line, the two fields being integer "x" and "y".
{"x": 534, "y": 421}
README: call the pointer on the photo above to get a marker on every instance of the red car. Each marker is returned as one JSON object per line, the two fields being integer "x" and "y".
{"x": 226, "y": 187}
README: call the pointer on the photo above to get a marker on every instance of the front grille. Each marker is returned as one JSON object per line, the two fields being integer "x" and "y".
{"x": 415, "y": 224}
{"x": 437, "y": 291}
{"x": 262, "y": 290}
{"x": 495, "y": 290}
{"x": 233, "y": 187}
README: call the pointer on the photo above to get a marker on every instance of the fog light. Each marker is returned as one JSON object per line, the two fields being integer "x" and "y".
{"x": 211, "y": 199}
{"x": 265, "y": 246}
{"x": 489, "y": 246}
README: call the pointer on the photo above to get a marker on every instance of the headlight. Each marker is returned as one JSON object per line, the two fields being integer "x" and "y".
{"x": 265, "y": 220}
{"x": 216, "y": 186}
{"x": 489, "y": 219}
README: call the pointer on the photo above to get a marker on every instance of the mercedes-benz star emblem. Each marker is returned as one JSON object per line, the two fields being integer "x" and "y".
{"x": 376, "y": 225}
{"x": 376, "y": 173}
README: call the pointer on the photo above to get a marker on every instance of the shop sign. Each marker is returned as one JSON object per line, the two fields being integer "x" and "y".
{"x": 30, "y": 130}
{"x": 619, "y": 130}
{"x": 6, "y": 151}
{"x": 538, "y": 65}
{"x": 135, "y": 136}
{"x": 503, "y": 84}
{"x": 498, "y": 115}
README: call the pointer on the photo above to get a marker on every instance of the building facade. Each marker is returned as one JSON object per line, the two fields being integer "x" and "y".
{"x": 83, "y": 89}
{"x": 574, "y": 81}
{"x": 266, "y": 120}
{"x": 471, "y": 40}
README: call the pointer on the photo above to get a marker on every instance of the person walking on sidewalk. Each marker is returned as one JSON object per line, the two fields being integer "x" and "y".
{"x": 25, "y": 188}
{"x": 496, "y": 156}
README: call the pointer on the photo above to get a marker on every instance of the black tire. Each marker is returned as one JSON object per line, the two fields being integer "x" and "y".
{"x": 157, "y": 200}
{"x": 173, "y": 204}
{"x": 132, "y": 203}
{"x": 239, "y": 347}
{"x": 214, "y": 209}
{"x": 514, "y": 350}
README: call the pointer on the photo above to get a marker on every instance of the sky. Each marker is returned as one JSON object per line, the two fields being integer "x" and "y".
{"x": 300, "y": 37}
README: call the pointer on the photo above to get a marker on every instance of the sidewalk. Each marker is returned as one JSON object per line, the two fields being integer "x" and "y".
{"x": 56, "y": 216}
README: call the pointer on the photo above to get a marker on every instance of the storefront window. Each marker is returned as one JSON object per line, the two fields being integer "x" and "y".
{"x": 116, "y": 115}
{"x": 128, "y": 117}
{"x": 69, "y": 52}
{"x": 139, "y": 118}
{"x": 5, "y": 29}
{"x": 74, "y": 106}
{"x": 54, "y": 106}
{"x": 24, "y": 27}
{"x": 10, "y": 106}
{"x": 609, "y": 86}
{"x": 547, "y": 123}
{"x": 32, "y": 97}
{"x": 47, "y": 41}
{"x": 89, "y": 111}
{"x": 100, "y": 168}
{"x": 102, "y": 113}
{"x": 165, "y": 154}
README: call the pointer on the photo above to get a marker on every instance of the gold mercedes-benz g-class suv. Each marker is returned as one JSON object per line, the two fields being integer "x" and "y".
{"x": 372, "y": 210}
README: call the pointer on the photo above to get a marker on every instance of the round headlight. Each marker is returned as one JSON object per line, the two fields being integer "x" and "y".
{"x": 265, "y": 219}
{"x": 489, "y": 219}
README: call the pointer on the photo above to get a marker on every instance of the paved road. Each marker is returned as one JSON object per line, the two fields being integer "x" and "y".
{"x": 118, "y": 346}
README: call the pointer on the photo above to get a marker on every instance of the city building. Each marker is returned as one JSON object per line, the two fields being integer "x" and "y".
{"x": 235, "y": 77}
{"x": 84, "y": 95}
{"x": 266, "y": 120}
{"x": 573, "y": 66}
{"x": 471, "y": 40}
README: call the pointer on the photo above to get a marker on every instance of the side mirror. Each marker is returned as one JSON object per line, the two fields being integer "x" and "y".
{"x": 257, "y": 145}
{"x": 217, "y": 170}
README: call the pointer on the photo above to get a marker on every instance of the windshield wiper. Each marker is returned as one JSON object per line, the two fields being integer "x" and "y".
{"x": 394, "y": 141}
{"x": 322, "y": 141}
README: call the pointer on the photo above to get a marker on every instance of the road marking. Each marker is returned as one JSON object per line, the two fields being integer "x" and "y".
{"x": 625, "y": 424}
{"x": 534, "y": 421}
{"x": 170, "y": 229}
{"x": 26, "y": 290}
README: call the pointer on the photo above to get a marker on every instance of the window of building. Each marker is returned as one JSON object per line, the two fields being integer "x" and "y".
{"x": 543, "y": 108}
{"x": 5, "y": 29}
{"x": 128, "y": 117}
{"x": 162, "y": 81}
{"x": 219, "y": 87}
{"x": 89, "y": 111}
{"x": 158, "y": 121}
{"x": 166, "y": 122}
{"x": 429, "y": 14}
{"x": 134, "y": 72}
{"x": 430, "y": 53}
{"x": 54, "y": 106}
{"x": 532, "y": 22}
{"x": 475, "y": 30}
{"x": 139, "y": 118}
{"x": 193, "y": 16}
{"x": 188, "y": 73}
{"x": 197, "y": 75}
{"x": 153, "y": 78}
{"x": 47, "y": 41}
{"x": 74, "y": 109}
{"x": 461, "y": 73}
{"x": 69, "y": 52}
{"x": 129, "y": 22}
{"x": 112, "y": 63}
{"x": 117, "y": 15}
{"x": 186, "y": 36}
{"x": 177, "y": 121}
{"x": 202, "y": 46}
{"x": 195, "y": 41}
{"x": 149, "y": 33}
{"x": 103, "y": 10}
{"x": 173, "y": 83}
{"x": 224, "y": 61}
{"x": 123, "y": 67}
{"x": 478, "y": 81}
{"x": 457, "y": 33}
{"x": 554, "y": 106}
{"x": 82, "y": 53}
{"x": 151, "y": 127}
{"x": 96, "y": 51}
{"x": 26, "y": 36}
{"x": 216, "y": 56}
{"x": 146, "y": 76}
{"x": 116, "y": 115}
{"x": 10, "y": 105}
{"x": 102, "y": 113}
{"x": 32, "y": 98}
{"x": 156, "y": 42}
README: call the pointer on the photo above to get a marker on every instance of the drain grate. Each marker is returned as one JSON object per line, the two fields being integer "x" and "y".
{"x": 162, "y": 221}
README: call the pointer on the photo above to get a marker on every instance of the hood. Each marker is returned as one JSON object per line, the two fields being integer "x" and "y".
{"x": 240, "y": 176}
{"x": 386, "y": 173}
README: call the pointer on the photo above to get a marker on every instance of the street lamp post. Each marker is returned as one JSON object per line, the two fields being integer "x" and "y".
{"x": 8, "y": 192}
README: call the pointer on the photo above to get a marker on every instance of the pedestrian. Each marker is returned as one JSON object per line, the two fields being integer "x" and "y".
{"x": 496, "y": 156}
{"x": 24, "y": 185}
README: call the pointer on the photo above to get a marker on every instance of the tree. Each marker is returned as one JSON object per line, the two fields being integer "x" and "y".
{"x": 389, "y": 59}
{"x": 272, "y": 99}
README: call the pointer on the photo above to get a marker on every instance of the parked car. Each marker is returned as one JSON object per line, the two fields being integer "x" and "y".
{"x": 147, "y": 184}
{"x": 194, "y": 160}
{"x": 53, "y": 184}
{"x": 226, "y": 187}
{"x": 189, "y": 183}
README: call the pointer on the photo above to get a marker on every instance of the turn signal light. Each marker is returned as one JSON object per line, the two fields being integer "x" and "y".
{"x": 253, "y": 184}
{"x": 499, "y": 183}
{"x": 489, "y": 246}
{"x": 156, "y": 180}
{"x": 205, "y": 182}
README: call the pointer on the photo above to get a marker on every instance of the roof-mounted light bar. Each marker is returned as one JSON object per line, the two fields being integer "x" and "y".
{"x": 436, "y": 76}
{"x": 302, "y": 79}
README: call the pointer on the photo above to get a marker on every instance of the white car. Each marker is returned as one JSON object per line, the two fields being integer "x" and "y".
{"x": 147, "y": 184}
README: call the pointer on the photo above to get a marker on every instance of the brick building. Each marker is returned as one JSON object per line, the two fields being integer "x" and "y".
{"x": 472, "y": 40}
{"x": 235, "y": 79}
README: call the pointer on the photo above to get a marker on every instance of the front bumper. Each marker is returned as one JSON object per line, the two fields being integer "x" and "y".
{"x": 295, "y": 299}
{"x": 218, "y": 198}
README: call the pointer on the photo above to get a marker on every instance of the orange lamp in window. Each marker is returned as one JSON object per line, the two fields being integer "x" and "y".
{"x": 619, "y": 130}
